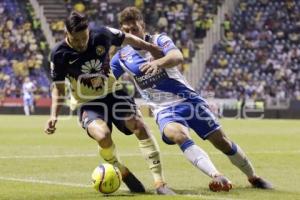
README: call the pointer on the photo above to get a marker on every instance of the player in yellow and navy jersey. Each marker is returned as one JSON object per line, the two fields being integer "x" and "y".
{"x": 82, "y": 58}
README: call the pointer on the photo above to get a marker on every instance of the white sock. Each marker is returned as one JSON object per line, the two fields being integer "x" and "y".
{"x": 198, "y": 158}
{"x": 32, "y": 109}
{"x": 26, "y": 110}
{"x": 240, "y": 160}
{"x": 150, "y": 151}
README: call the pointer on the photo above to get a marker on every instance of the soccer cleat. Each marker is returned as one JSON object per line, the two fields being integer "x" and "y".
{"x": 132, "y": 182}
{"x": 163, "y": 189}
{"x": 258, "y": 182}
{"x": 220, "y": 183}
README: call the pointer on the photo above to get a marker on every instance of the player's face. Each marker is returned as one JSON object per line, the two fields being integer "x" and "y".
{"x": 136, "y": 28}
{"x": 79, "y": 40}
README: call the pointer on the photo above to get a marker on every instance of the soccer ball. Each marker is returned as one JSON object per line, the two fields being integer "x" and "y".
{"x": 106, "y": 178}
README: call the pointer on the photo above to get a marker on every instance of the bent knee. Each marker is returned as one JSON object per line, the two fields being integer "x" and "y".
{"x": 179, "y": 138}
{"x": 176, "y": 134}
{"x": 136, "y": 126}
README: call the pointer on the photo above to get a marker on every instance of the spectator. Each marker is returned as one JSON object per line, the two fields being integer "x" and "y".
{"x": 260, "y": 55}
{"x": 20, "y": 53}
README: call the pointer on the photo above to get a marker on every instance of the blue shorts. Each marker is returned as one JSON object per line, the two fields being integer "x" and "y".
{"x": 28, "y": 102}
{"x": 113, "y": 109}
{"x": 194, "y": 115}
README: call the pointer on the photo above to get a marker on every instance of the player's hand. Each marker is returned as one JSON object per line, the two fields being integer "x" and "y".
{"x": 150, "y": 68}
{"x": 50, "y": 126}
{"x": 156, "y": 52}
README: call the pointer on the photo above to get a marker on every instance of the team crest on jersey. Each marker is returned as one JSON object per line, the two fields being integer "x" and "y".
{"x": 124, "y": 55}
{"x": 100, "y": 50}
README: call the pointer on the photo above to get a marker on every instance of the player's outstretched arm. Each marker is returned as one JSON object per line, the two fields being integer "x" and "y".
{"x": 173, "y": 58}
{"x": 134, "y": 41}
{"x": 58, "y": 94}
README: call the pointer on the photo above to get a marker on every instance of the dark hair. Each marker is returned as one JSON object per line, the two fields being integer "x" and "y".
{"x": 130, "y": 14}
{"x": 76, "y": 22}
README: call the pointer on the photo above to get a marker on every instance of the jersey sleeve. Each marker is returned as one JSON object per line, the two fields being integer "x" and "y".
{"x": 165, "y": 43}
{"x": 116, "y": 67}
{"x": 116, "y": 36}
{"x": 57, "y": 70}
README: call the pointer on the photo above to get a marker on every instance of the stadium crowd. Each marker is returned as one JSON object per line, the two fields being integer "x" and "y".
{"x": 23, "y": 50}
{"x": 185, "y": 21}
{"x": 259, "y": 56}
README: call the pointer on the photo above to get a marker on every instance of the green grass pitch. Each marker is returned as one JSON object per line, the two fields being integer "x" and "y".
{"x": 35, "y": 166}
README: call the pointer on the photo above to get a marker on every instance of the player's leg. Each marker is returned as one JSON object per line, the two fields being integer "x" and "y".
{"x": 128, "y": 119}
{"x": 150, "y": 150}
{"x": 174, "y": 132}
{"x": 107, "y": 150}
{"x": 147, "y": 145}
{"x": 101, "y": 132}
{"x": 237, "y": 157}
{"x": 32, "y": 105}
{"x": 207, "y": 127}
{"x": 98, "y": 125}
{"x": 26, "y": 107}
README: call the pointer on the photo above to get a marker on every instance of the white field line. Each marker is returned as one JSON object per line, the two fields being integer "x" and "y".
{"x": 29, "y": 180}
{"x": 43, "y": 182}
{"x": 208, "y": 197}
{"x": 133, "y": 154}
{"x": 36, "y": 181}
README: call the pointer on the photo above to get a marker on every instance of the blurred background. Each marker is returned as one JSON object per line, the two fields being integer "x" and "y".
{"x": 242, "y": 55}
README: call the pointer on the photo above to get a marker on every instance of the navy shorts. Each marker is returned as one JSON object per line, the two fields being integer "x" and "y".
{"x": 113, "y": 109}
{"x": 194, "y": 115}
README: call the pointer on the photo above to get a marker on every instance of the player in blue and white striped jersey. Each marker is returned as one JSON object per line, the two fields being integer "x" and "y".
{"x": 175, "y": 104}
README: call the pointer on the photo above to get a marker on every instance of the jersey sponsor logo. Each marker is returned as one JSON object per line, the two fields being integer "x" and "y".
{"x": 149, "y": 81}
{"x": 92, "y": 66}
{"x": 100, "y": 50}
{"x": 73, "y": 61}
{"x": 94, "y": 75}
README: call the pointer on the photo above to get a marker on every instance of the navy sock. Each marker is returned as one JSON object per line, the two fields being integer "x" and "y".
{"x": 233, "y": 150}
{"x": 186, "y": 145}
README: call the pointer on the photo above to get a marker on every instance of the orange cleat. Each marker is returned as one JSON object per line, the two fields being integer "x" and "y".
{"x": 220, "y": 183}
